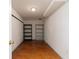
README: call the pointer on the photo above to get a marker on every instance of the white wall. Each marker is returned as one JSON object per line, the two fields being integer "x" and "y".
{"x": 33, "y": 22}
{"x": 17, "y": 30}
{"x": 56, "y": 31}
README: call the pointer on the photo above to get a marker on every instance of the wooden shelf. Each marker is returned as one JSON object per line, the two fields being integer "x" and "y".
{"x": 27, "y": 32}
{"x": 27, "y": 24}
{"x": 27, "y": 28}
{"x": 27, "y": 36}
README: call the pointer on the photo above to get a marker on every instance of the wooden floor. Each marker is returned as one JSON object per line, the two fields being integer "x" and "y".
{"x": 34, "y": 50}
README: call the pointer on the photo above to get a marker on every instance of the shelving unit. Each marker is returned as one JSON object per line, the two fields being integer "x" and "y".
{"x": 27, "y": 31}
{"x": 39, "y": 31}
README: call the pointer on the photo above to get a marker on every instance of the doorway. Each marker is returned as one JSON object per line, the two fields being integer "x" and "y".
{"x": 27, "y": 31}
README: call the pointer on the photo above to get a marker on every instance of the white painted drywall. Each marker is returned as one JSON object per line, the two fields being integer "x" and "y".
{"x": 33, "y": 22}
{"x": 57, "y": 30}
{"x": 17, "y": 30}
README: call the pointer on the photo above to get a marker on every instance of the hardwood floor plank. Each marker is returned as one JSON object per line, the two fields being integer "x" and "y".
{"x": 34, "y": 50}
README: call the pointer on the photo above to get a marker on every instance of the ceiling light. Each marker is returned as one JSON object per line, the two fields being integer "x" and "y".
{"x": 33, "y": 9}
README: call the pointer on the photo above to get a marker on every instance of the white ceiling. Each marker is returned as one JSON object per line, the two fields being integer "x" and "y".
{"x": 44, "y": 8}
